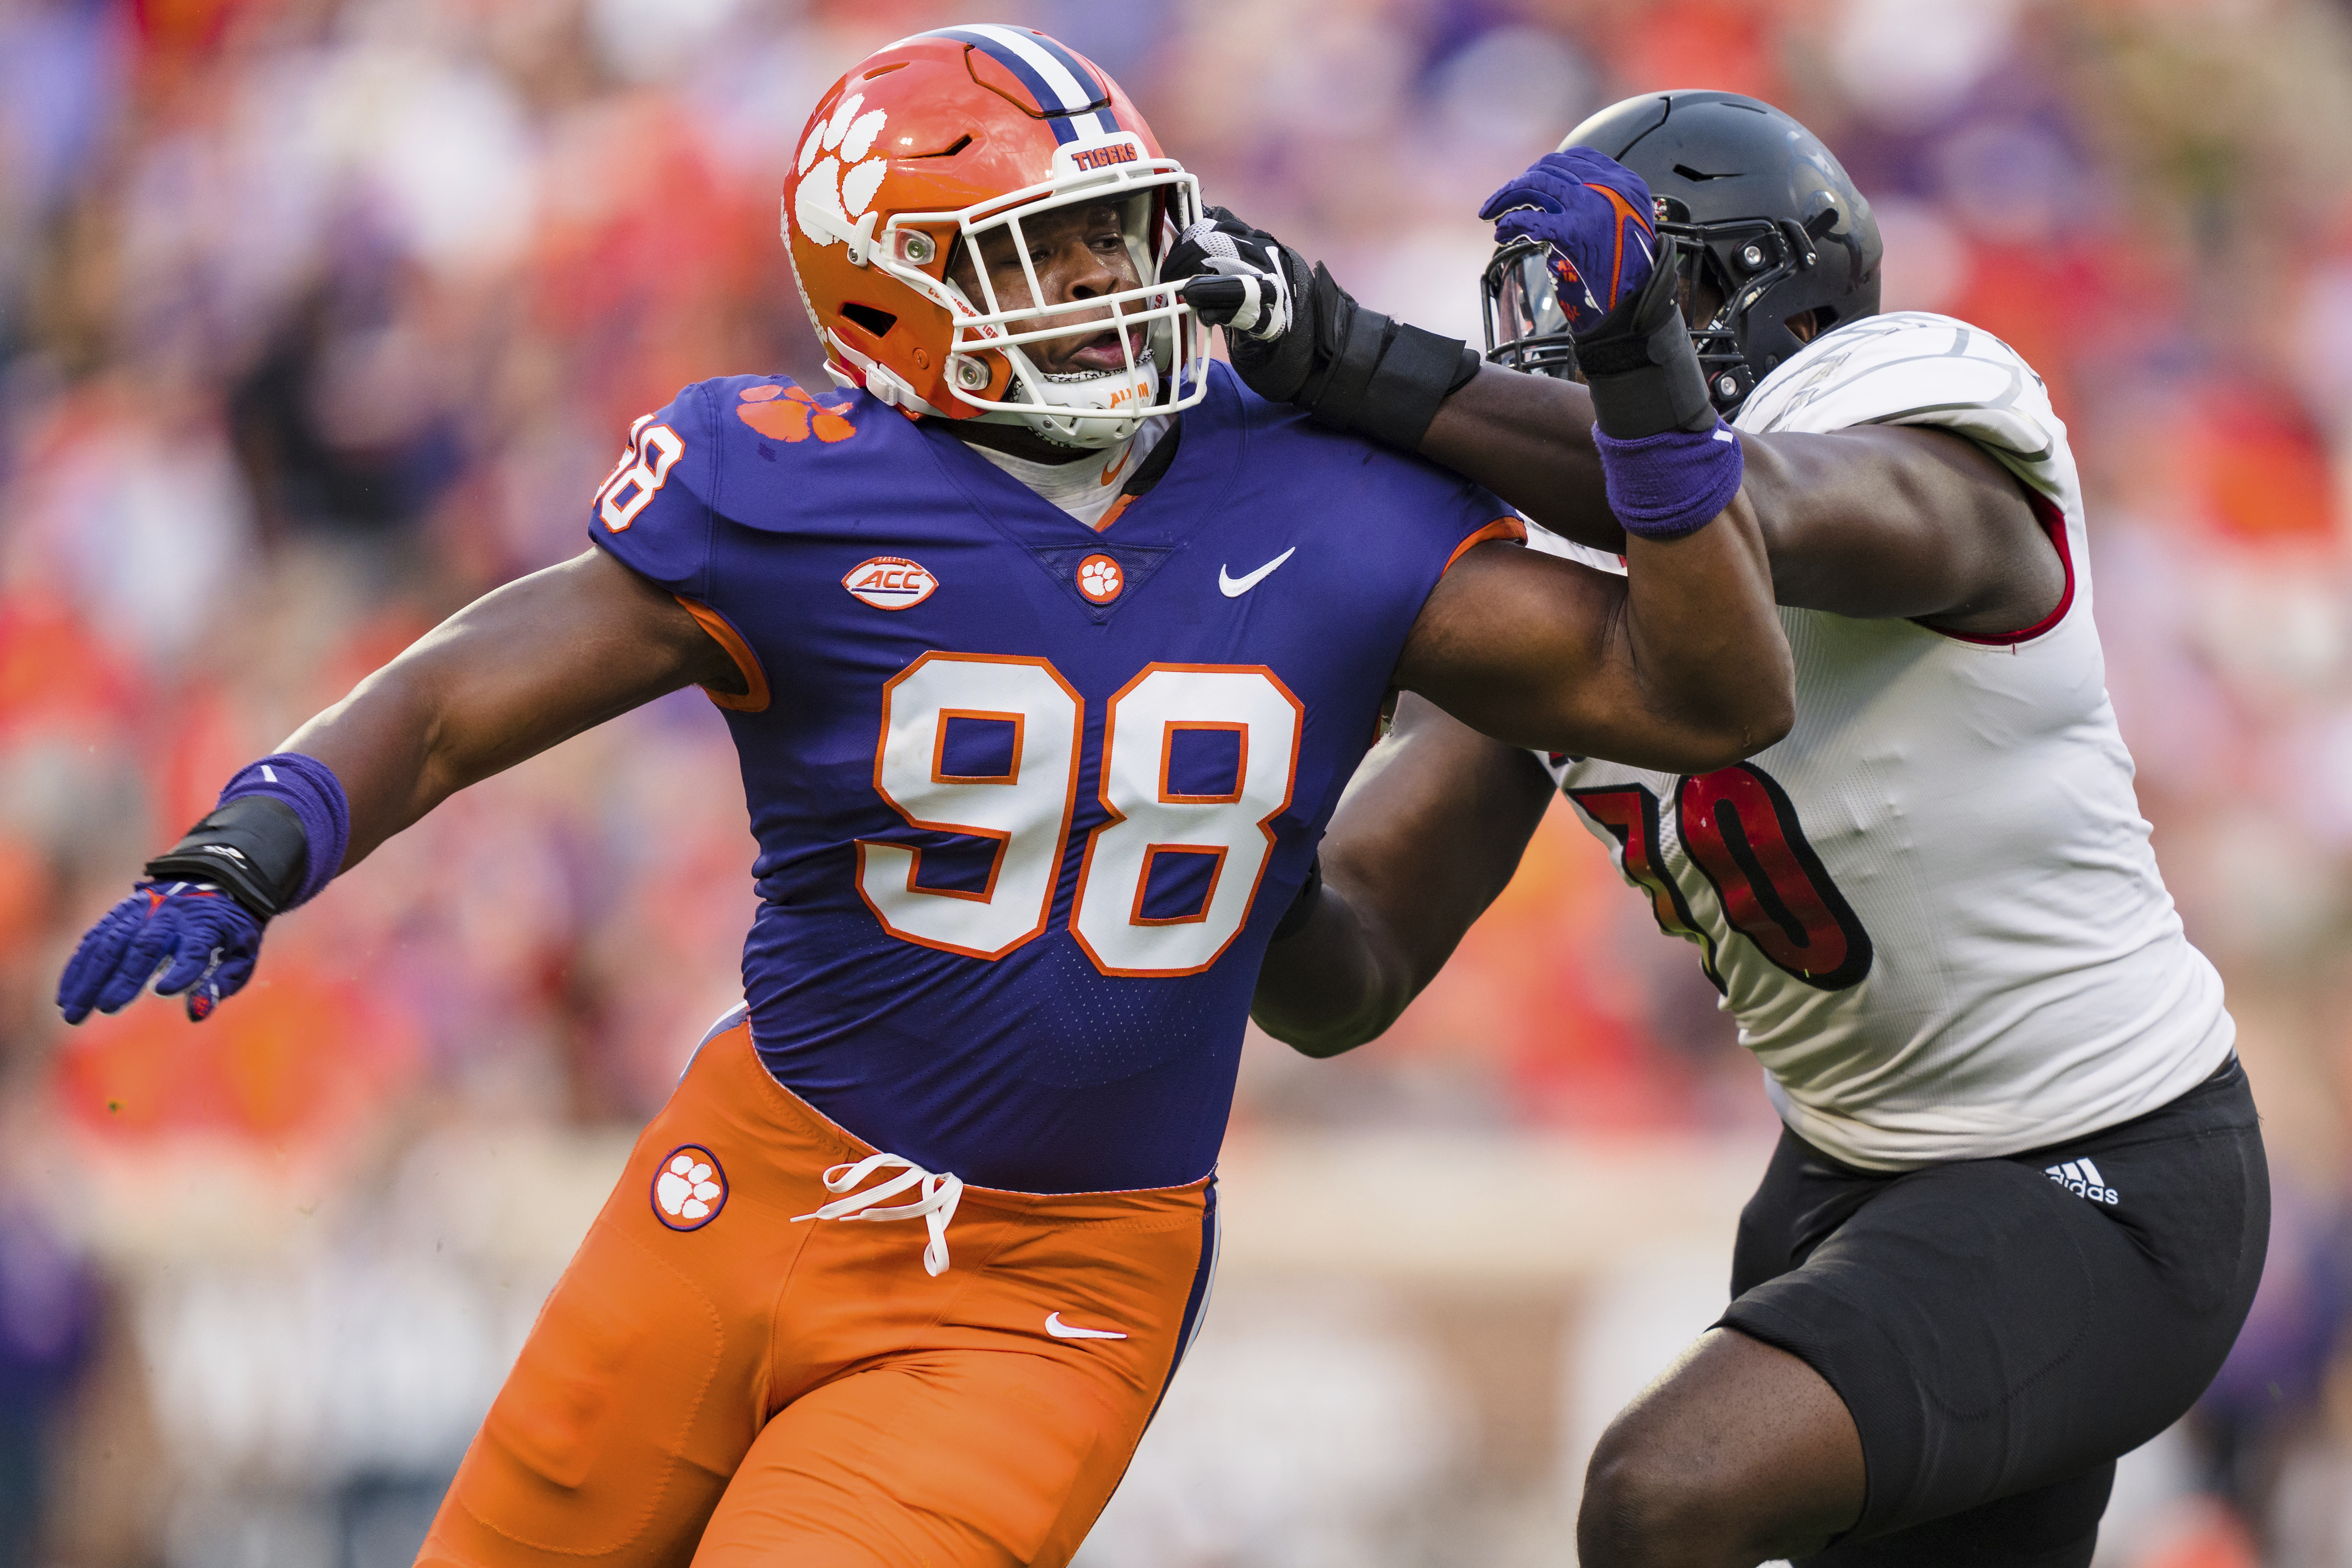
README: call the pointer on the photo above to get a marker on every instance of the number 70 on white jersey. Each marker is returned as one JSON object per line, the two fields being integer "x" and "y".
{"x": 1028, "y": 809}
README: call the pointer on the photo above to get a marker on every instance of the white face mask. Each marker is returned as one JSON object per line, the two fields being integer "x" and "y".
{"x": 1084, "y": 409}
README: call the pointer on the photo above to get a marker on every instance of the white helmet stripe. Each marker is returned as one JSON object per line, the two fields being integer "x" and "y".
{"x": 1058, "y": 78}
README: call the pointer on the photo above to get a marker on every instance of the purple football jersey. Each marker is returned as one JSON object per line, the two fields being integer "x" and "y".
{"x": 1030, "y": 799}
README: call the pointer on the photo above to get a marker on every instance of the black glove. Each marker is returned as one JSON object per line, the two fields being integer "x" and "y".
{"x": 1241, "y": 276}
{"x": 1350, "y": 369}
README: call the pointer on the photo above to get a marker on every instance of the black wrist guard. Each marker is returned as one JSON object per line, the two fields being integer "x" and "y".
{"x": 1302, "y": 907}
{"x": 1384, "y": 377}
{"x": 254, "y": 849}
{"x": 1361, "y": 371}
{"x": 1640, "y": 363}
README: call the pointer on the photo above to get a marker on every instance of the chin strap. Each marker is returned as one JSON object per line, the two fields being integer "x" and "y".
{"x": 1080, "y": 434}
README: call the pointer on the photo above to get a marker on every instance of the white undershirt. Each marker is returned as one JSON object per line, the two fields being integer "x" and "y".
{"x": 1087, "y": 488}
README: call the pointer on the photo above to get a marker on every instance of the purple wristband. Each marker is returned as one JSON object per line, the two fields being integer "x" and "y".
{"x": 1662, "y": 487}
{"x": 316, "y": 796}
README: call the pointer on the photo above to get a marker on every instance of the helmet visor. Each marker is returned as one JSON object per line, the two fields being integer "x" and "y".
{"x": 1526, "y": 328}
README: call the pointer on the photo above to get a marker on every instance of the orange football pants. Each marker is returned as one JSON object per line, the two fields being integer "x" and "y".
{"x": 751, "y": 1390}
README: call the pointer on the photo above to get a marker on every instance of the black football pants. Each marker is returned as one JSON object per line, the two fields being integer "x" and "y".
{"x": 2000, "y": 1334}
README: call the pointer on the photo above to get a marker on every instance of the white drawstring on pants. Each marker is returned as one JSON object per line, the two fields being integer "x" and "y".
{"x": 937, "y": 1204}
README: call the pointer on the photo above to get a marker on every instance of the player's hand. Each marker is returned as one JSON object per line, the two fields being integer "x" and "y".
{"x": 1284, "y": 352}
{"x": 204, "y": 941}
{"x": 1241, "y": 278}
{"x": 1594, "y": 217}
{"x": 1297, "y": 337}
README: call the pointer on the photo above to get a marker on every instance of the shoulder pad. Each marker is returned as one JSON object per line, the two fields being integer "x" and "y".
{"x": 1911, "y": 367}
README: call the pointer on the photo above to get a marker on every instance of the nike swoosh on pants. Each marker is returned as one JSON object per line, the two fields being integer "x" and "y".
{"x": 1062, "y": 1331}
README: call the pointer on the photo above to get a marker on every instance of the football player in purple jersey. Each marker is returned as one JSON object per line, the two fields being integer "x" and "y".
{"x": 1047, "y": 649}
{"x": 2019, "y": 1208}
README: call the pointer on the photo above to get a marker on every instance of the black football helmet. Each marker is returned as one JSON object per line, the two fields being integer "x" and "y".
{"x": 1767, "y": 224}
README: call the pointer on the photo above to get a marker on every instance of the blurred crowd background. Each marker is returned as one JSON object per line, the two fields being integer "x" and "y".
{"x": 319, "y": 318}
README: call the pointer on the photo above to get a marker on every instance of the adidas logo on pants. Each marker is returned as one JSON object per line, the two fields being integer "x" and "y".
{"x": 2083, "y": 1179}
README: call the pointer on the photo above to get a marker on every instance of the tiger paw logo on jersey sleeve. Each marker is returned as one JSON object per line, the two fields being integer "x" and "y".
{"x": 789, "y": 414}
{"x": 689, "y": 1189}
{"x": 1099, "y": 579}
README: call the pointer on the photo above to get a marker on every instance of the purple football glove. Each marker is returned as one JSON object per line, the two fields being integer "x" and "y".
{"x": 1596, "y": 217}
{"x": 208, "y": 940}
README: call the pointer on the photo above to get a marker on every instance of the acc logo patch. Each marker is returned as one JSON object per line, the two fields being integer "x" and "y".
{"x": 689, "y": 1189}
{"x": 890, "y": 582}
{"x": 788, "y": 414}
{"x": 1099, "y": 579}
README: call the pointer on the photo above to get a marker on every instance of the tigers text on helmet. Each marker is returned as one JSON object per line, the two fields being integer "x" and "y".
{"x": 1767, "y": 225}
{"x": 952, "y": 139}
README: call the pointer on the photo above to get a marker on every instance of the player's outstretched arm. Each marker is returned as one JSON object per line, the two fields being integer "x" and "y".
{"x": 1297, "y": 337}
{"x": 1685, "y": 670}
{"x": 1529, "y": 439}
{"x": 1430, "y": 832}
{"x": 1875, "y": 522}
{"x": 510, "y": 674}
{"x": 1888, "y": 521}
{"x": 516, "y": 671}
{"x": 1878, "y": 521}
{"x": 1679, "y": 666}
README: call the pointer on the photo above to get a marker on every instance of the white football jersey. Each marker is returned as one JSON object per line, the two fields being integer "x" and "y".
{"x": 1933, "y": 907}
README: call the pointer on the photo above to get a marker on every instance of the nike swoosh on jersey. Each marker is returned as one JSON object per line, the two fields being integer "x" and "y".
{"x": 1062, "y": 1331}
{"x": 1234, "y": 587}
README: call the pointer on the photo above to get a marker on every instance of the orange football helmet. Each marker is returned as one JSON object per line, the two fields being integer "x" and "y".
{"x": 947, "y": 137}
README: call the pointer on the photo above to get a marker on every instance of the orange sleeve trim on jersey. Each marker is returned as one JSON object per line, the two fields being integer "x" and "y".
{"x": 1509, "y": 528}
{"x": 723, "y": 633}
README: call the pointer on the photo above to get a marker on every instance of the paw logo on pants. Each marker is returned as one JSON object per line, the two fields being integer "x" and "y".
{"x": 689, "y": 1189}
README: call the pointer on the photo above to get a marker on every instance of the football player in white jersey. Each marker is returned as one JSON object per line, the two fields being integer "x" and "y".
{"x": 2020, "y": 1206}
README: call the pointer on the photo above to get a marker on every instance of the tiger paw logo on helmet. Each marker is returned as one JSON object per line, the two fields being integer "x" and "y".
{"x": 689, "y": 1189}
{"x": 788, "y": 414}
{"x": 936, "y": 150}
{"x": 824, "y": 192}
